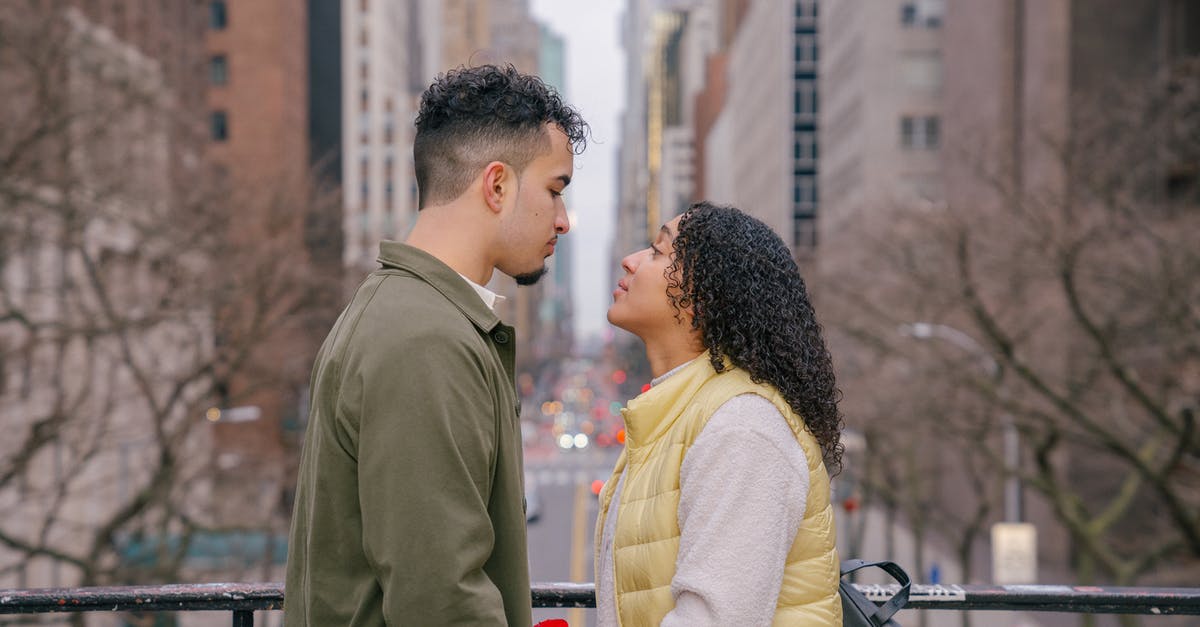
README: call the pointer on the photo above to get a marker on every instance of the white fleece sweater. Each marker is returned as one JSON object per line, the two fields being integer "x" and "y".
{"x": 743, "y": 494}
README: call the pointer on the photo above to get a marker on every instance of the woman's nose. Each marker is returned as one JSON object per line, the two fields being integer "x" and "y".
{"x": 631, "y": 261}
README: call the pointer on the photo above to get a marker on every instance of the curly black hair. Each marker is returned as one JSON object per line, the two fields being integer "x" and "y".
{"x": 751, "y": 306}
{"x": 471, "y": 116}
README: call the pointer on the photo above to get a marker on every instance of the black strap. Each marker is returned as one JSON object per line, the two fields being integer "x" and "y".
{"x": 898, "y": 600}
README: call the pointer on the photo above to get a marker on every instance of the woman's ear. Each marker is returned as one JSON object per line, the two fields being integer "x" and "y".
{"x": 498, "y": 183}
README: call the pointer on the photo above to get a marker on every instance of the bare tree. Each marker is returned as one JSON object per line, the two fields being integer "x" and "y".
{"x": 131, "y": 304}
{"x": 1082, "y": 295}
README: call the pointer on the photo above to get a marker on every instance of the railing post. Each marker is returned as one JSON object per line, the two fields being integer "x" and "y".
{"x": 243, "y": 618}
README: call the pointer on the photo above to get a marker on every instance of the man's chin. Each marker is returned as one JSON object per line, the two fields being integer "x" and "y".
{"x": 529, "y": 278}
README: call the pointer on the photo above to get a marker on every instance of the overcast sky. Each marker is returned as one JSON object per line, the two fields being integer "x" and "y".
{"x": 595, "y": 65}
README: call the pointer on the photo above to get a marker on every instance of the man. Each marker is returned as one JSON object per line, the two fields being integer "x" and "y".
{"x": 409, "y": 501}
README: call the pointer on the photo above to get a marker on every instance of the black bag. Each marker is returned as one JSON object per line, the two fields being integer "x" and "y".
{"x": 858, "y": 611}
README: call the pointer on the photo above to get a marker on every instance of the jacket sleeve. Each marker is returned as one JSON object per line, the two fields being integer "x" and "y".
{"x": 425, "y": 460}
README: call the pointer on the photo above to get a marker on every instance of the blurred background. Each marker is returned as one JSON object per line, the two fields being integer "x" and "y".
{"x": 995, "y": 203}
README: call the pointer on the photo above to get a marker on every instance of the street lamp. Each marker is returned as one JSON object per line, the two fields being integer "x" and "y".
{"x": 1013, "y": 498}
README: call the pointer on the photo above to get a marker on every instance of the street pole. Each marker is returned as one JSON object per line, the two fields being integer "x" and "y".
{"x": 1013, "y": 496}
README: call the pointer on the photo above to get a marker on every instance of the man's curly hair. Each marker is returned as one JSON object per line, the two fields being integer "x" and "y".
{"x": 751, "y": 306}
{"x": 471, "y": 116}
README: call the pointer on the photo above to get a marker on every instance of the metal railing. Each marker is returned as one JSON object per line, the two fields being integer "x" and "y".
{"x": 244, "y": 599}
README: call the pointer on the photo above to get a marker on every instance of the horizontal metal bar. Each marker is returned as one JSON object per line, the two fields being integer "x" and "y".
{"x": 173, "y": 598}
{"x": 1046, "y": 598}
{"x": 269, "y": 596}
{"x": 564, "y": 595}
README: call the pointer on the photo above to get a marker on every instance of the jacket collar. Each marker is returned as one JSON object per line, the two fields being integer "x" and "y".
{"x": 652, "y": 412}
{"x": 442, "y": 277}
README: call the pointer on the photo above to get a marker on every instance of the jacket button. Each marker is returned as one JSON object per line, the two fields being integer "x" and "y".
{"x": 501, "y": 337}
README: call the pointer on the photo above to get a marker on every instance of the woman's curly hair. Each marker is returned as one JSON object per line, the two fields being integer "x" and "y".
{"x": 470, "y": 116}
{"x": 751, "y": 306}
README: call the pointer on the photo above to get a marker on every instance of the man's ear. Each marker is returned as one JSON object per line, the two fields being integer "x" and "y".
{"x": 498, "y": 184}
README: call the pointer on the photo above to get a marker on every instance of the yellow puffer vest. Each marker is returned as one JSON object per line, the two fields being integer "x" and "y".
{"x": 660, "y": 425}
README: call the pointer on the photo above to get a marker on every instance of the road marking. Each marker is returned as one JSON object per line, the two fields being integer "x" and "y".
{"x": 578, "y": 544}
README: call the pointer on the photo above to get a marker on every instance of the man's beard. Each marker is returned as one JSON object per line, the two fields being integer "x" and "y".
{"x": 529, "y": 278}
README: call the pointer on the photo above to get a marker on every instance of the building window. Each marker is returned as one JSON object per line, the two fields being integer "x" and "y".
{"x": 806, "y": 146}
{"x": 805, "y": 232}
{"x": 806, "y": 49}
{"x": 805, "y": 98}
{"x": 805, "y": 190}
{"x": 219, "y": 123}
{"x": 363, "y": 40}
{"x": 922, "y": 13}
{"x": 363, "y": 5}
{"x": 218, "y": 70}
{"x": 218, "y": 15}
{"x": 806, "y": 9}
{"x": 920, "y": 132}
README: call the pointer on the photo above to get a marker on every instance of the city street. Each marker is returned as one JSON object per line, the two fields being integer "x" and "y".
{"x": 560, "y": 540}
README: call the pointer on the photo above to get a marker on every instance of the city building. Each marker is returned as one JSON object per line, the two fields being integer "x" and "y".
{"x": 257, "y": 70}
{"x": 102, "y": 108}
{"x": 771, "y": 84}
{"x": 711, "y": 85}
{"x": 378, "y": 106}
{"x": 880, "y": 109}
{"x": 667, "y": 44}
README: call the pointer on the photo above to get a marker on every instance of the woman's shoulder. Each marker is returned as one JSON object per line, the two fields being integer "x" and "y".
{"x": 751, "y": 417}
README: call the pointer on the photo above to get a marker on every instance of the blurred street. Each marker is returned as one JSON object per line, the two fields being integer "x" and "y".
{"x": 560, "y": 540}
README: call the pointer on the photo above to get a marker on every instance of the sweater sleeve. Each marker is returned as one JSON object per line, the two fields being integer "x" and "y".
{"x": 743, "y": 494}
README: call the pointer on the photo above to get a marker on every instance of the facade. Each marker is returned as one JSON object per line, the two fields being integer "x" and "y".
{"x": 257, "y": 70}
{"x": 89, "y": 214}
{"x": 880, "y": 109}
{"x": 667, "y": 46}
{"x": 378, "y": 184}
{"x": 771, "y": 76}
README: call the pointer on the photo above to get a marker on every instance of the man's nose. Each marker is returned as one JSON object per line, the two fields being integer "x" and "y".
{"x": 562, "y": 223}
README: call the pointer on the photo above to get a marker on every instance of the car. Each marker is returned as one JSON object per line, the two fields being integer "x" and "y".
{"x": 533, "y": 502}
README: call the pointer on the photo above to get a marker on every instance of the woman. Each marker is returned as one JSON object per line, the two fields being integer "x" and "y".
{"x": 718, "y": 511}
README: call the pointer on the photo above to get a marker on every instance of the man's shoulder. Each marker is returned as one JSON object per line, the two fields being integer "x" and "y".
{"x": 394, "y": 306}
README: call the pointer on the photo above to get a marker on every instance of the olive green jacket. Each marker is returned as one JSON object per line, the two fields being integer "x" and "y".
{"x": 409, "y": 501}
